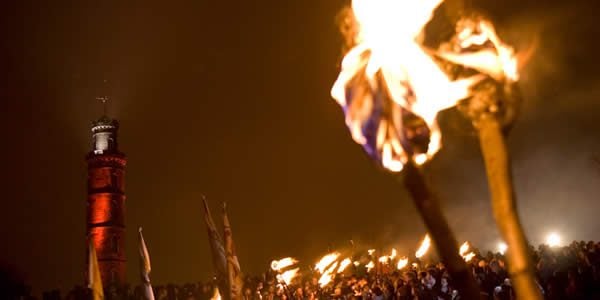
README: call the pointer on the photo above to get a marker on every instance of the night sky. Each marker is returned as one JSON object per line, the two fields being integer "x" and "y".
{"x": 231, "y": 100}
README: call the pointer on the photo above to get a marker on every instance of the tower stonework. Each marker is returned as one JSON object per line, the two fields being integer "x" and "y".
{"x": 106, "y": 201}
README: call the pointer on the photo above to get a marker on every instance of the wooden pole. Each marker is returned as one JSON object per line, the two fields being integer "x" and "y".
{"x": 437, "y": 225}
{"x": 492, "y": 110}
{"x": 498, "y": 169}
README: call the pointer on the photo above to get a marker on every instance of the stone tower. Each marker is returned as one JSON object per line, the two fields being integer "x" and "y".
{"x": 106, "y": 201}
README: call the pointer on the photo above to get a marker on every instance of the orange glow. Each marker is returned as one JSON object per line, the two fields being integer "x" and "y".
{"x": 106, "y": 205}
{"x": 103, "y": 209}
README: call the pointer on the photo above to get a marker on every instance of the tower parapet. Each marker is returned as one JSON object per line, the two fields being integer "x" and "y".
{"x": 104, "y": 135}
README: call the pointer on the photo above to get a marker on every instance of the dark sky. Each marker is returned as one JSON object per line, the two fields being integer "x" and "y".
{"x": 231, "y": 99}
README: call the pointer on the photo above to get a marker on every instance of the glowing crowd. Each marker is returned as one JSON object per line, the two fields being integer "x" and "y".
{"x": 563, "y": 272}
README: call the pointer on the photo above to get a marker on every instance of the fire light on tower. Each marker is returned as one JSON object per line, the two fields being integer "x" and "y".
{"x": 106, "y": 200}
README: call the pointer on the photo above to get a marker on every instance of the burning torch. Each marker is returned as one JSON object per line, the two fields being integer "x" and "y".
{"x": 391, "y": 90}
{"x": 285, "y": 277}
{"x": 492, "y": 108}
{"x": 391, "y": 87}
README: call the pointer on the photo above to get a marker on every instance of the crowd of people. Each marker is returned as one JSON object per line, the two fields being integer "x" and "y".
{"x": 569, "y": 272}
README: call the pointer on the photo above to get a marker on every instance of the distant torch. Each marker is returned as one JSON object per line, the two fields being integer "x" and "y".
{"x": 553, "y": 239}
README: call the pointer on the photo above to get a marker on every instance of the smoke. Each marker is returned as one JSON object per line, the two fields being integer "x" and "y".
{"x": 557, "y": 134}
{"x": 555, "y": 139}
{"x": 559, "y": 32}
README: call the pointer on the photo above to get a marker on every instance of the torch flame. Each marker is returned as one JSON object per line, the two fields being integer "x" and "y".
{"x": 325, "y": 279}
{"x": 328, "y": 275}
{"x": 499, "y": 61}
{"x": 326, "y": 261}
{"x": 345, "y": 263}
{"x": 403, "y": 262}
{"x": 384, "y": 259}
{"x": 392, "y": 89}
{"x": 469, "y": 256}
{"x": 288, "y": 275}
{"x": 370, "y": 266}
{"x": 463, "y": 251}
{"x": 394, "y": 253}
{"x": 425, "y": 244}
{"x": 216, "y": 295}
{"x": 421, "y": 158}
{"x": 283, "y": 263}
{"x": 464, "y": 248}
